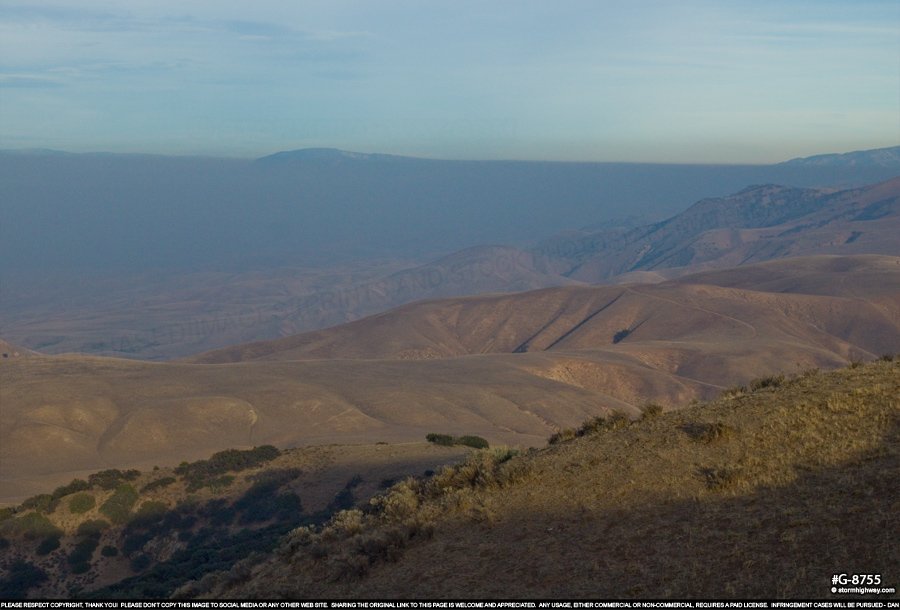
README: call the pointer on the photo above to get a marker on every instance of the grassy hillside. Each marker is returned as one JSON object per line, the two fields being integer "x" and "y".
{"x": 764, "y": 492}
{"x": 127, "y": 533}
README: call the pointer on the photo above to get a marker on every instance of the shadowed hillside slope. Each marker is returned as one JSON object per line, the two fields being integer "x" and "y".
{"x": 759, "y": 494}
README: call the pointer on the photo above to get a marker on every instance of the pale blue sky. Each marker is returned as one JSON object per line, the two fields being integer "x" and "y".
{"x": 687, "y": 81}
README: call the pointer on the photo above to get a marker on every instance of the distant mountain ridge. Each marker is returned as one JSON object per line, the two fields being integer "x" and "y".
{"x": 756, "y": 224}
{"x": 878, "y": 157}
{"x": 327, "y": 154}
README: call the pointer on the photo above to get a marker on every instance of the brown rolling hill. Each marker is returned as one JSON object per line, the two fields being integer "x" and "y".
{"x": 8, "y": 350}
{"x": 806, "y": 299}
{"x": 756, "y": 495}
{"x": 511, "y": 368}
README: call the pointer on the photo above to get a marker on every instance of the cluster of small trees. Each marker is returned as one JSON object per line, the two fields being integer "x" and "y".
{"x": 447, "y": 440}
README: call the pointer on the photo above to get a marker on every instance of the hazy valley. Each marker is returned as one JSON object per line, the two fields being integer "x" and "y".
{"x": 157, "y": 310}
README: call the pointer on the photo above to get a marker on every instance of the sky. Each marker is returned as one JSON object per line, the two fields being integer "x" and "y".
{"x": 724, "y": 81}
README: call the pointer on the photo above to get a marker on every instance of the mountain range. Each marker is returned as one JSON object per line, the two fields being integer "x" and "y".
{"x": 165, "y": 315}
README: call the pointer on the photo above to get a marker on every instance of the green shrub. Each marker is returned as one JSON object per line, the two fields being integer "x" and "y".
{"x": 6, "y": 513}
{"x": 149, "y": 512}
{"x": 158, "y": 484}
{"x": 472, "y": 441}
{"x": 439, "y": 439}
{"x": 40, "y": 502}
{"x": 75, "y": 486}
{"x": 82, "y": 503}
{"x": 446, "y": 440}
{"x": 112, "y": 478}
{"x": 216, "y": 484}
{"x": 205, "y": 472}
{"x": 118, "y": 506}
{"x": 32, "y": 526}
{"x": 887, "y": 358}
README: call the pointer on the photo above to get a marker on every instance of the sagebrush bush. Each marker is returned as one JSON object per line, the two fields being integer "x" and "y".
{"x": 772, "y": 381}
{"x": 651, "y": 410}
{"x": 32, "y": 525}
{"x": 158, "y": 484}
{"x": 472, "y": 441}
{"x": 112, "y": 478}
{"x": 118, "y": 506}
{"x": 708, "y": 432}
{"x": 74, "y": 486}
{"x": 562, "y": 435}
{"x": 92, "y": 527}
{"x": 81, "y": 503}
{"x": 615, "y": 421}
{"x": 439, "y": 439}
{"x": 469, "y": 440}
{"x": 40, "y": 503}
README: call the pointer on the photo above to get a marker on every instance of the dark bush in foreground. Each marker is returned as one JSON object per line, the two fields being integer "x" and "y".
{"x": 20, "y": 577}
{"x": 48, "y": 545}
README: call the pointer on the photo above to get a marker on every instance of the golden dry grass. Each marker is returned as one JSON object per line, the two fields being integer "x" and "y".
{"x": 762, "y": 494}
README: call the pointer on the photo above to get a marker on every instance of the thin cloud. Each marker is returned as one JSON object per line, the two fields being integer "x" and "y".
{"x": 18, "y": 81}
